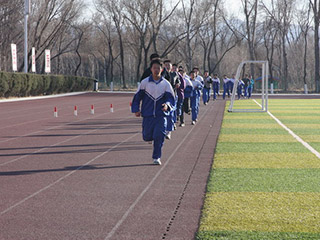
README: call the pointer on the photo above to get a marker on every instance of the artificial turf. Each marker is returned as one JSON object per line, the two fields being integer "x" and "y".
{"x": 264, "y": 180}
{"x": 246, "y": 235}
{"x": 264, "y": 184}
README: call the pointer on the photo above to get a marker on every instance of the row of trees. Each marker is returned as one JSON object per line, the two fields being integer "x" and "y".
{"x": 114, "y": 45}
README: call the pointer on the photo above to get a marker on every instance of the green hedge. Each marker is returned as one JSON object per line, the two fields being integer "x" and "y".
{"x": 23, "y": 85}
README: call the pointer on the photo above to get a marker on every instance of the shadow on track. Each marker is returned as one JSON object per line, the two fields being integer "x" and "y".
{"x": 72, "y": 168}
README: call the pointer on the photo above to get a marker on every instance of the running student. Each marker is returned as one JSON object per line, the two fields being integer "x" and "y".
{"x": 157, "y": 97}
{"x": 171, "y": 77}
{"x": 207, "y": 88}
{"x": 250, "y": 87}
{"x": 246, "y": 82}
{"x": 231, "y": 82}
{"x": 195, "y": 97}
{"x": 239, "y": 88}
{"x": 187, "y": 93}
{"x": 179, "y": 90}
{"x": 216, "y": 86}
{"x": 226, "y": 83}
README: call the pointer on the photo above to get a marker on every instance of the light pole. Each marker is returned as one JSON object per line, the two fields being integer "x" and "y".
{"x": 26, "y": 15}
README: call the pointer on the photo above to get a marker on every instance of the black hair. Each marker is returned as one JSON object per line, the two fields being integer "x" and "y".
{"x": 154, "y": 55}
{"x": 174, "y": 65}
{"x": 167, "y": 60}
{"x": 156, "y": 61}
{"x": 191, "y": 72}
{"x": 195, "y": 68}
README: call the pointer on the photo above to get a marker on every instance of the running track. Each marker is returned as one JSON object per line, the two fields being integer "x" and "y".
{"x": 91, "y": 176}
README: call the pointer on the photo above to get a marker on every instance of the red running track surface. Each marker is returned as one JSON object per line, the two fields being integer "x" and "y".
{"x": 91, "y": 176}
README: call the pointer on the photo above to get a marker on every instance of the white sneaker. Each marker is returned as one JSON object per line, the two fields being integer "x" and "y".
{"x": 157, "y": 161}
{"x": 193, "y": 123}
{"x": 168, "y": 135}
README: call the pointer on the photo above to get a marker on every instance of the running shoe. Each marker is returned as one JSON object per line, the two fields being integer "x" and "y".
{"x": 168, "y": 135}
{"x": 157, "y": 161}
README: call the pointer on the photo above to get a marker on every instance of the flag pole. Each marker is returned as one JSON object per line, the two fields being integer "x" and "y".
{"x": 26, "y": 15}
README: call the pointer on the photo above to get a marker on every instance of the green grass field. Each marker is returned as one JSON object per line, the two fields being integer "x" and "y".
{"x": 264, "y": 184}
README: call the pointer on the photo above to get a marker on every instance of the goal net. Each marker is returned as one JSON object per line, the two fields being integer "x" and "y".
{"x": 264, "y": 87}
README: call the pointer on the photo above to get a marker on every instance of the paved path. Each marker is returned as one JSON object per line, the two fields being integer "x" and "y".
{"x": 91, "y": 177}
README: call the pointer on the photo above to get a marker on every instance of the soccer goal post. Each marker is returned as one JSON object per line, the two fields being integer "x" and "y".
{"x": 264, "y": 87}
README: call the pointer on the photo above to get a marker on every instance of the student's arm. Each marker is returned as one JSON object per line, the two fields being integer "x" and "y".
{"x": 169, "y": 97}
{"x": 135, "y": 107}
{"x": 200, "y": 85}
{"x": 182, "y": 82}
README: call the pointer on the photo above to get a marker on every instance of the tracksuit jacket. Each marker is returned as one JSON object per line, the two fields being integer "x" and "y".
{"x": 153, "y": 94}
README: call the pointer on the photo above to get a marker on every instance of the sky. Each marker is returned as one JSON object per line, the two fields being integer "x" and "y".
{"x": 232, "y": 6}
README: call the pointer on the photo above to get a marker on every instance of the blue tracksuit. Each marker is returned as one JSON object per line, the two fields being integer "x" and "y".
{"x": 153, "y": 94}
{"x": 239, "y": 88}
{"x": 226, "y": 83}
{"x": 231, "y": 84}
{"x": 216, "y": 87}
{"x": 195, "y": 99}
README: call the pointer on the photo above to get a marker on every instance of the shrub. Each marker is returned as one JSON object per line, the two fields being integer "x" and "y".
{"x": 4, "y": 86}
{"x": 20, "y": 84}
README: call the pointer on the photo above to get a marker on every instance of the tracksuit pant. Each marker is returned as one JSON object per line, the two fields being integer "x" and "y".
{"x": 225, "y": 90}
{"x": 206, "y": 95}
{"x": 231, "y": 86}
{"x": 154, "y": 129}
{"x": 246, "y": 91}
{"x": 215, "y": 89}
{"x": 239, "y": 91}
{"x": 179, "y": 111}
{"x": 195, "y": 99}
{"x": 186, "y": 105}
{"x": 249, "y": 91}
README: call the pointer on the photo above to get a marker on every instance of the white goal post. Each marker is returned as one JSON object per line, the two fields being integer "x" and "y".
{"x": 264, "y": 87}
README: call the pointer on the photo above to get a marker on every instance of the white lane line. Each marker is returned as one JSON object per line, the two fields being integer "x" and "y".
{"x": 58, "y": 143}
{"x": 305, "y": 144}
{"x": 40, "y": 97}
{"x": 67, "y": 175}
{"x": 119, "y": 223}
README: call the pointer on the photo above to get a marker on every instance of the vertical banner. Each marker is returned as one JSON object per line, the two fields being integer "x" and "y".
{"x": 33, "y": 60}
{"x": 14, "y": 57}
{"x": 47, "y": 61}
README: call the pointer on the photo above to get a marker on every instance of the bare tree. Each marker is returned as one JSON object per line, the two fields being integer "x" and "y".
{"x": 269, "y": 33}
{"x": 105, "y": 43}
{"x": 315, "y": 4}
{"x": 304, "y": 23}
{"x": 11, "y": 14}
{"x": 115, "y": 8}
{"x": 51, "y": 22}
{"x": 281, "y": 12}
{"x": 250, "y": 10}
{"x": 193, "y": 19}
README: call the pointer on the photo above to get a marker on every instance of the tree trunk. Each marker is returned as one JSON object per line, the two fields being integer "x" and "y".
{"x": 316, "y": 46}
{"x": 285, "y": 62}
